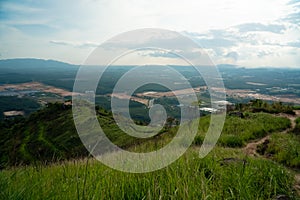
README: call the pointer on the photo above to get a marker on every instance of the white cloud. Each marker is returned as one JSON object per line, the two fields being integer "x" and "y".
{"x": 231, "y": 31}
{"x": 253, "y": 45}
{"x": 75, "y": 44}
{"x": 16, "y": 7}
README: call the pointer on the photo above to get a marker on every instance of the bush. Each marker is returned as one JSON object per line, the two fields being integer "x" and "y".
{"x": 297, "y": 127}
{"x": 260, "y": 133}
{"x": 198, "y": 140}
{"x": 231, "y": 141}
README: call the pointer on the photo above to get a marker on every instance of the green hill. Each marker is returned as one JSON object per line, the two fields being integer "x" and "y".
{"x": 188, "y": 178}
{"x": 46, "y": 135}
{"x": 49, "y": 135}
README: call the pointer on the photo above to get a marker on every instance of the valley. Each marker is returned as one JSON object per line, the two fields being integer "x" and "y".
{"x": 256, "y": 156}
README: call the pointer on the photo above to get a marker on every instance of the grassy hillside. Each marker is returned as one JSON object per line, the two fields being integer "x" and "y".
{"x": 49, "y": 136}
{"x": 283, "y": 148}
{"x": 238, "y": 131}
{"x": 188, "y": 178}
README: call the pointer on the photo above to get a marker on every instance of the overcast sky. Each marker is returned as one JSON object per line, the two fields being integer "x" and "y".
{"x": 249, "y": 33}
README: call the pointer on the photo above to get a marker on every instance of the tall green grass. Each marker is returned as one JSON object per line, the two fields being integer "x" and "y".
{"x": 188, "y": 178}
{"x": 235, "y": 134}
{"x": 283, "y": 148}
{"x": 238, "y": 131}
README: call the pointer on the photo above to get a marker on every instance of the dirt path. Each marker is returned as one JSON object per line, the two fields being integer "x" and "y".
{"x": 292, "y": 118}
{"x": 251, "y": 147}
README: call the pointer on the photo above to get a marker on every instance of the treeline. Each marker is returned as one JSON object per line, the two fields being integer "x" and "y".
{"x": 259, "y": 105}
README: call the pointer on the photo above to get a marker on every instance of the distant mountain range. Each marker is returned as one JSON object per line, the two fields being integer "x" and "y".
{"x": 269, "y": 81}
{"x": 32, "y": 63}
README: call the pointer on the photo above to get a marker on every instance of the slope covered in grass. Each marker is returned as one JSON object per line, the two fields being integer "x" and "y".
{"x": 47, "y": 135}
{"x": 188, "y": 178}
{"x": 50, "y": 135}
{"x": 282, "y": 148}
{"x": 226, "y": 173}
{"x": 238, "y": 131}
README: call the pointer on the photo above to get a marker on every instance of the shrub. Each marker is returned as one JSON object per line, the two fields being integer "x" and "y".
{"x": 231, "y": 141}
{"x": 297, "y": 127}
{"x": 198, "y": 140}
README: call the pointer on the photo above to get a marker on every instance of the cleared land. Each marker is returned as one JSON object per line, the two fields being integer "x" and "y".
{"x": 254, "y": 95}
{"x": 132, "y": 98}
{"x": 35, "y": 86}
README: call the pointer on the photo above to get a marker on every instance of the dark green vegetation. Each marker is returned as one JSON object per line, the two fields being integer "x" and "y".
{"x": 297, "y": 126}
{"x": 15, "y": 103}
{"x": 258, "y": 105}
{"x": 47, "y": 135}
{"x": 273, "y": 81}
{"x": 137, "y": 110}
{"x": 188, "y": 178}
{"x": 171, "y": 106}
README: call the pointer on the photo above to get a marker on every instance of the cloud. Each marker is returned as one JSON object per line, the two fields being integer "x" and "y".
{"x": 294, "y": 16}
{"x": 163, "y": 54}
{"x": 262, "y": 53}
{"x": 7, "y": 6}
{"x": 216, "y": 42}
{"x": 274, "y": 28}
{"x": 231, "y": 31}
{"x": 253, "y": 44}
{"x": 75, "y": 44}
{"x": 294, "y": 44}
{"x": 293, "y": 2}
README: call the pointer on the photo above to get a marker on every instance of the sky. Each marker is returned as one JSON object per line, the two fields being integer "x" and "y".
{"x": 249, "y": 33}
